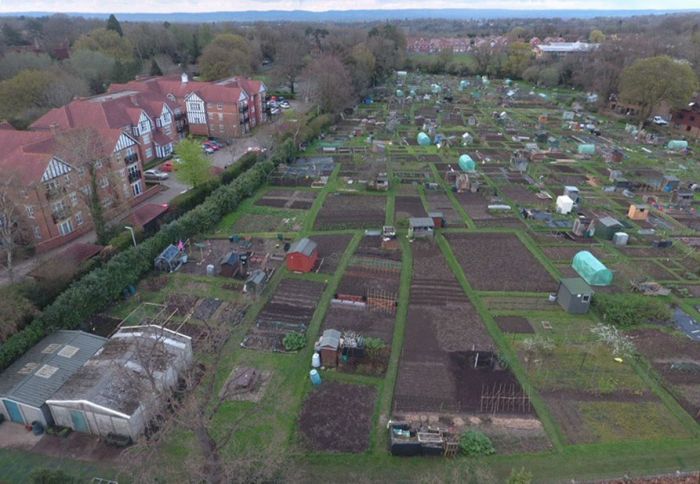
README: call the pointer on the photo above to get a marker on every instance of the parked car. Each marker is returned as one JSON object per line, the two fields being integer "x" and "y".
{"x": 211, "y": 145}
{"x": 155, "y": 174}
{"x": 659, "y": 121}
{"x": 170, "y": 165}
{"x": 208, "y": 150}
{"x": 285, "y": 105}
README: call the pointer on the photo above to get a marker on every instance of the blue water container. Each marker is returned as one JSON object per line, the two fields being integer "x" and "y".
{"x": 315, "y": 377}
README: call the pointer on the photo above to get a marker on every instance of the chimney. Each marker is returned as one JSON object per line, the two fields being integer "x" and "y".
{"x": 183, "y": 78}
{"x": 53, "y": 127}
{"x": 134, "y": 99}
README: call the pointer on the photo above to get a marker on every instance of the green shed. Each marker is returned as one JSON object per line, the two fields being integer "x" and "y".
{"x": 586, "y": 149}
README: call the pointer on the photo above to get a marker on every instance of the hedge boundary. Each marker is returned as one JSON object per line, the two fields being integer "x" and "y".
{"x": 198, "y": 213}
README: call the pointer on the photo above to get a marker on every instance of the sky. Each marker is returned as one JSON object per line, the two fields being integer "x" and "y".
{"x": 169, "y": 6}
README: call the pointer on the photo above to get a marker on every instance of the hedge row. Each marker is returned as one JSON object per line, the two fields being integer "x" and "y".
{"x": 97, "y": 289}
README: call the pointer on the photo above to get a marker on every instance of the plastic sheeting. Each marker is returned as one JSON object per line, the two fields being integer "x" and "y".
{"x": 591, "y": 269}
{"x": 399, "y": 93}
{"x": 466, "y": 163}
{"x": 423, "y": 139}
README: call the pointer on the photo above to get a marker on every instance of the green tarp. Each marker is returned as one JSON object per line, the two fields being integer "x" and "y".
{"x": 591, "y": 269}
{"x": 466, "y": 163}
{"x": 423, "y": 139}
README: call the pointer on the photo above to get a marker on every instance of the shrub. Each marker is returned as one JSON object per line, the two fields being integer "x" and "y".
{"x": 474, "y": 443}
{"x": 16, "y": 309}
{"x": 51, "y": 476}
{"x": 374, "y": 346}
{"x": 626, "y": 310}
{"x": 519, "y": 476}
{"x": 294, "y": 341}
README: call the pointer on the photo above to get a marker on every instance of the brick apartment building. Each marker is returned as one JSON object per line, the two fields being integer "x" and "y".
{"x": 51, "y": 192}
{"x": 135, "y": 123}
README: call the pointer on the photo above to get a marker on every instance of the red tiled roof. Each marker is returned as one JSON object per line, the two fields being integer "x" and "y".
{"x": 161, "y": 138}
{"x": 80, "y": 252}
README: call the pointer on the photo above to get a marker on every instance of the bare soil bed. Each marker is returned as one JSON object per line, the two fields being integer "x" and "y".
{"x": 440, "y": 202}
{"x": 442, "y": 331}
{"x": 475, "y": 204}
{"x": 351, "y": 211}
{"x": 290, "y": 308}
{"x": 499, "y": 262}
{"x": 514, "y": 324}
{"x": 567, "y": 253}
{"x": 522, "y": 196}
{"x": 295, "y": 199}
{"x": 215, "y": 249}
{"x": 337, "y": 417}
{"x": 256, "y": 223}
{"x": 330, "y": 250}
{"x": 361, "y": 321}
{"x": 407, "y": 206}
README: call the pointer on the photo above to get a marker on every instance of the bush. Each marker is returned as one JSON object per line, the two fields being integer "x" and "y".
{"x": 374, "y": 346}
{"x": 294, "y": 341}
{"x": 122, "y": 240}
{"x": 474, "y": 443}
{"x": 627, "y": 310}
{"x": 51, "y": 476}
{"x": 16, "y": 309}
{"x": 519, "y": 476}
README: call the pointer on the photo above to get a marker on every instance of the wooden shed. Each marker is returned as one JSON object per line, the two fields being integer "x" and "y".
{"x": 328, "y": 347}
{"x": 421, "y": 227}
{"x": 302, "y": 255}
{"x": 638, "y": 212}
{"x": 230, "y": 264}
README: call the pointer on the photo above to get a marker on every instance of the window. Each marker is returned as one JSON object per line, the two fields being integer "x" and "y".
{"x": 37, "y": 232}
{"x": 98, "y": 164}
{"x": 87, "y": 190}
{"x": 221, "y": 117}
{"x": 81, "y": 170}
{"x": 149, "y": 152}
{"x": 65, "y": 227}
{"x": 57, "y": 207}
{"x": 146, "y": 139}
{"x": 219, "y": 107}
{"x": 586, "y": 298}
{"x": 104, "y": 182}
{"x": 79, "y": 218}
{"x": 74, "y": 198}
{"x": 66, "y": 179}
{"x": 30, "y": 211}
{"x": 136, "y": 188}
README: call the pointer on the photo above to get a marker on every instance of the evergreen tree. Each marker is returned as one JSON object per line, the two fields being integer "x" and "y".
{"x": 155, "y": 68}
{"x": 113, "y": 24}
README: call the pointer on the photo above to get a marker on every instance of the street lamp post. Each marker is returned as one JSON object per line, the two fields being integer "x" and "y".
{"x": 133, "y": 237}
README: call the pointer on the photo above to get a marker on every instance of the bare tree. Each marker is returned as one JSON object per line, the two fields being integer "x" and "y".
{"x": 102, "y": 191}
{"x": 12, "y": 227}
{"x": 194, "y": 408}
{"x": 290, "y": 59}
{"x": 329, "y": 84}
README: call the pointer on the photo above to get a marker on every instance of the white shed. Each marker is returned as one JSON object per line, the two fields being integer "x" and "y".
{"x": 564, "y": 204}
{"x": 126, "y": 383}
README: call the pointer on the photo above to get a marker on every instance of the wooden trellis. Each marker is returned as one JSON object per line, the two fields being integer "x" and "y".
{"x": 380, "y": 300}
{"x": 504, "y": 398}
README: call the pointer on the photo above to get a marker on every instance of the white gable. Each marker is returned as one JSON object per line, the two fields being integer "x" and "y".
{"x": 243, "y": 96}
{"x": 193, "y": 98}
{"x": 55, "y": 169}
{"x": 124, "y": 142}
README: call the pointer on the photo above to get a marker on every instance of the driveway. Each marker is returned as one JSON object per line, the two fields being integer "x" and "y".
{"x": 260, "y": 137}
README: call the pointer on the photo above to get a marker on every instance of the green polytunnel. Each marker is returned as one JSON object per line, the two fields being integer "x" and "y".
{"x": 466, "y": 163}
{"x": 463, "y": 84}
{"x": 435, "y": 88}
{"x": 586, "y": 149}
{"x": 423, "y": 139}
{"x": 677, "y": 144}
{"x": 399, "y": 93}
{"x": 591, "y": 269}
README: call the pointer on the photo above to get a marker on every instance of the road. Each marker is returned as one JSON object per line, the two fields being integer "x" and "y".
{"x": 261, "y": 137}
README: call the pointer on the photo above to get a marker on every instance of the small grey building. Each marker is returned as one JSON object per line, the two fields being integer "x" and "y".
{"x": 574, "y": 295}
{"x": 421, "y": 227}
{"x": 34, "y": 378}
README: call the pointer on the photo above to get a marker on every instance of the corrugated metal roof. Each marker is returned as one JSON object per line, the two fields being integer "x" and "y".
{"x": 421, "y": 222}
{"x": 306, "y": 246}
{"x": 64, "y": 350}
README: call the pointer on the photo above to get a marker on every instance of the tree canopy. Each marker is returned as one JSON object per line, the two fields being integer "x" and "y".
{"x": 114, "y": 25}
{"x": 194, "y": 167}
{"x": 648, "y": 82}
{"x": 226, "y": 55}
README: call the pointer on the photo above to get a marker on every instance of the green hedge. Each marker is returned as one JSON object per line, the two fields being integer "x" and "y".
{"x": 103, "y": 285}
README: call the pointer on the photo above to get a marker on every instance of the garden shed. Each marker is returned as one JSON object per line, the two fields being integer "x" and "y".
{"x": 574, "y": 295}
{"x": 607, "y": 226}
{"x": 638, "y": 212}
{"x": 230, "y": 264}
{"x": 171, "y": 259}
{"x": 438, "y": 219}
{"x": 328, "y": 347}
{"x": 564, "y": 204}
{"x": 255, "y": 283}
{"x": 29, "y": 382}
{"x": 421, "y": 227}
{"x": 302, "y": 255}
{"x": 591, "y": 269}
{"x": 125, "y": 384}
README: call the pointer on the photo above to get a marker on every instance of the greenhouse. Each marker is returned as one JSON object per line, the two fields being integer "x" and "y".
{"x": 586, "y": 149}
{"x": 423, "y": 139}
{"x": 463, "y": 84}
{"x": 435, "y": 88}
{"x": 466, "y": 163}
{"x": 591, "y": 269}
{"x": 677, "y": 144}
{"x": 399, "y": 93}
